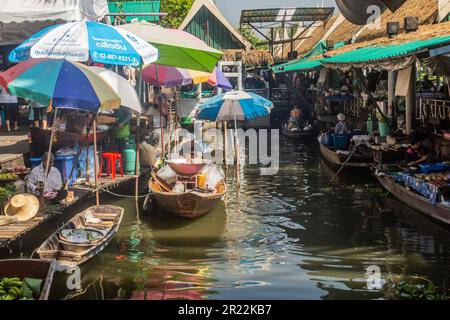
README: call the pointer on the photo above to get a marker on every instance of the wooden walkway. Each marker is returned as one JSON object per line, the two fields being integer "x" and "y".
{"x": 12, "y": 232}
{"x": 12, "y": 149}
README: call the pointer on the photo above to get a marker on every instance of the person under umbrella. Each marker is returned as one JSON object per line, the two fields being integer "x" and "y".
{"x": 52, "y": 183}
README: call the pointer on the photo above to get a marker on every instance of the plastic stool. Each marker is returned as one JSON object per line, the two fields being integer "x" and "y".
{"x": 111, "y": 158}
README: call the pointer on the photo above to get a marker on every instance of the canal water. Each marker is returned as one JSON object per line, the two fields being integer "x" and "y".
{"x": 287, "y": 236}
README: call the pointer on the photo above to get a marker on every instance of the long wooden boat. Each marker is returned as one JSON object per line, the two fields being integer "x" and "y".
{"x": 30, "y": 268}
{"x": 337, "y": 159}
{"x": 414, "y": 200}
{"x": 296, "y": 134}
{"x": 191, "y": 204}
{"x": 68, "y": 254}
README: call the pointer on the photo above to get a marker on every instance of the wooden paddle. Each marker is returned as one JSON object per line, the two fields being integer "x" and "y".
{"x": 342, "y": 167}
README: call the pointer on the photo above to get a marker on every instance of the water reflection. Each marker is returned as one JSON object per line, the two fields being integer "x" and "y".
{"x": 287, "y": 236}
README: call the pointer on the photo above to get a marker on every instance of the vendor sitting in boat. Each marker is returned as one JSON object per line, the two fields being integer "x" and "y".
{"x": 418, "y": 153}
{"x": 53, "y": 190}
{"x": 342, "y": 127}
{"x": 295, "y": 117}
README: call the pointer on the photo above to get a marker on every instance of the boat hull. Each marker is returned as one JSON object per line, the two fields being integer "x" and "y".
{"x": 413, "y": 200}
{"x": 187, "y": 205}
{"x": 30, "y": 268}
{"x": 53, "y": 248}
{"x": 356, "y": 161}
{"x": 296, "y": 134}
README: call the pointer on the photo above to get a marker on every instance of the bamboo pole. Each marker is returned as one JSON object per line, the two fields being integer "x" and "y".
{"x": 97, "y": 195}
{"x": 236, "y": 147}
{"x": 47, "y": 164}
{"x": 161, "y": 118}
{"x": 137, "y": 164}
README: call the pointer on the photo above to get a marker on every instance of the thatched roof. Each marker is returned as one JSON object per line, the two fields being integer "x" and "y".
{"x": 425, "y": 10}
{"x": 425, "y": 32}
{"x": 344, "y": 32}
{"x": 250, "y": 58}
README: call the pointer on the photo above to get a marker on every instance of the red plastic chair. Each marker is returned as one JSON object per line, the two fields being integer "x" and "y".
{"x": 111, "y": 159}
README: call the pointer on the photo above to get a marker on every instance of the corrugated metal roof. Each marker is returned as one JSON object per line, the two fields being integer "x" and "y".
{"x": 365, "y": 54}
{"x": 374, "y": 53}
{"x": 151, "y": 6}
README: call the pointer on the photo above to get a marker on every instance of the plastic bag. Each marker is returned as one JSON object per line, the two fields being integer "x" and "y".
{"x": 214, "y": 174}
{"x": 64, "y": 152}
{"x": 167, "y": 174}
{"x": 178, "y": 188}
{"x": 82, "y": 162}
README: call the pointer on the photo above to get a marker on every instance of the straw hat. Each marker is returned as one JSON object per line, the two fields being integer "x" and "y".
{"x": 341, "y": 117}
{"x": 22, "y": 206}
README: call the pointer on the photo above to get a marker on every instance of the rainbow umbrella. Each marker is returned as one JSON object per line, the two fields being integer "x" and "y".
{"x": 62, "y": 83}
{"x": 164, "y": 76}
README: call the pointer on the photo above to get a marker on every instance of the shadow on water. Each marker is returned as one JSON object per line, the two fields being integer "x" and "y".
{"x": 287, "y": 236}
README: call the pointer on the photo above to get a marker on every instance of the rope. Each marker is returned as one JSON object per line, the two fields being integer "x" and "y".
{"x": 126, "y": 196}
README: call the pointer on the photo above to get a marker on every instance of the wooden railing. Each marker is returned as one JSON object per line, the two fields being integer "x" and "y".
{"x": 354, "y": 107}
{"x": 432, "y": 109}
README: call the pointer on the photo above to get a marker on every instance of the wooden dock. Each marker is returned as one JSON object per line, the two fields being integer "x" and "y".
{"x": 12, "y": 149}
{"x": 12, "y": 232}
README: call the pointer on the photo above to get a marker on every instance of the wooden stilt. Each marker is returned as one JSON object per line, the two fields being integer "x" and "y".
{"x": 97, "y": 195}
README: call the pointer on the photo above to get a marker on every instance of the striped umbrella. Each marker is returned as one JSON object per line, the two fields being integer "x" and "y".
{"x": 84, "y": 40}
{"x": 168, "y": 77}
{"x": 234, "y": 105}
{"x": 61, "y": 83}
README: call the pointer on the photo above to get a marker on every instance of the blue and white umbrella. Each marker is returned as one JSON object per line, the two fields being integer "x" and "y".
{"x": 234, "y": 105}
{"x": 84, "y": 40}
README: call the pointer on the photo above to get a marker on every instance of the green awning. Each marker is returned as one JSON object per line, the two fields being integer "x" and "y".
{"x": 306, "y": 63}
{"x": 149, "y": 6}
{"x": 375, "y": 53}
{"x": 298, "y": 65}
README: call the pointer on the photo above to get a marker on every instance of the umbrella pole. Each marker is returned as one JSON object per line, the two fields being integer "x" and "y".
{"x": 97, "y": 195}
{"x": 47, "y": 164}
{"x": 225, "y": 142}
{"x": 161, "y": 119}
{"x": 137, "y": 164}
{"x": 170, "y": 128}
{"x": 236, "y": 147}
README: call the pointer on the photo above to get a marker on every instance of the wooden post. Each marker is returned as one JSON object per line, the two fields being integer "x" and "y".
{"x": 161, "y": 118}
{"x": 236, "y": 147}
{"x": 47, "y": 164}
{"x": 411, "y": 100}
{"x": 138, "y": 133}
{"x": 97, "y": 195}
{"x": 392, "y": 77}
{"x": 225, "y": 143}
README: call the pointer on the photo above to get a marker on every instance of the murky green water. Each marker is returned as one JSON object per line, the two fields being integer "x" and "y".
{"x": 282, "y": 237}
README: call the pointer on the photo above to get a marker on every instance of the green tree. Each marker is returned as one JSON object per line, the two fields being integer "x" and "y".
{"x": 176, "y": 11}
{"x": 248, "y": 34}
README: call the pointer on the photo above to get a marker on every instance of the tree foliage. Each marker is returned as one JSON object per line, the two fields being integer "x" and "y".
{"x": 176, "y": 11}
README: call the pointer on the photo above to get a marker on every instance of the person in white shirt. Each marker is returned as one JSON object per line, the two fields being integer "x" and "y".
{"x": 52, "y": 185}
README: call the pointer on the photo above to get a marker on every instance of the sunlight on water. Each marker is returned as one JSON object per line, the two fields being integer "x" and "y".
{"x": 287, "y": 236}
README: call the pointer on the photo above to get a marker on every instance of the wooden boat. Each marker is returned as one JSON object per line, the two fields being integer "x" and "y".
{"x": 414, "y": 200}
{"x": 68, "y": 254}
{"x": 296, "y": 134}
{"x": 191, "y": 204}
{"x": 30, "y": 268}
{"x": 358, "y": 160}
